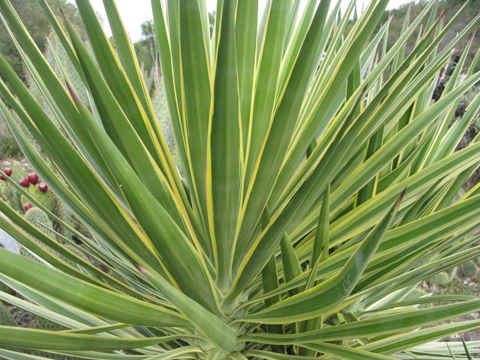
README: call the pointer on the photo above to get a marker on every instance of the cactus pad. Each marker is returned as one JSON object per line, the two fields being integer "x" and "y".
{"x": 469, "y": 269}
{"x": 24, "y": 252}
{"x": 64, "y": 214}
{"x": 415, "y": 293}
{"x": 440, "y": 278}
{"x": 18, "y": 172}
{"x": 4, "y": 288}
{"x": 45, "y": 324}
{"x": 47, "y": 199}
{"x": 6, "y": 318}
{"x": 5, "y": 191}
{"x": 77, "y": 252}
{"x": 40, "y": 220}
{"x": 159, "y": 102}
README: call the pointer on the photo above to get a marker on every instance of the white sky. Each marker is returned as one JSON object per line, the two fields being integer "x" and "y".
{"x": 135, "y": 12}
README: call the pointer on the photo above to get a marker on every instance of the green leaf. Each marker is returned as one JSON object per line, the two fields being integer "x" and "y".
{"x": 49, "y": 340}
{"x": 388, "y": 324}
{"x": 291, "y": 266}
{"x": 196, "y": 96}
{"x": 329, "y": 294}
{"x": 165, "y": 236}
{"x": 321, "y": 241}
{"x": 174, "y": 354}
{"x": 400, "y": 342}
{"x": 214, "y": 329}
{"x": 225, "y": 152}
{"x": 277, "y": 139}
{"x": 266, "y": 83}
{"x": 116, "y": 78}
{"x": 344, "y": 352}
{"x": 124, "y": 135}
{"x": 246, "y": 38}
{"x": 90, "y": 298}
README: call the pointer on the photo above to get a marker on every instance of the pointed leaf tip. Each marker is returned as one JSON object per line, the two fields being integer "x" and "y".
{"x": 400, "y": 198}
{"x": 73, "y": 94}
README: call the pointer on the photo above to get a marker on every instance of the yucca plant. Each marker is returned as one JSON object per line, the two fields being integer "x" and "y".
{"x": 316, "y": 185}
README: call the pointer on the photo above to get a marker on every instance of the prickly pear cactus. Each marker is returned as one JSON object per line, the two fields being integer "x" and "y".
{"x": 43, "y": 354}
{"x": 25, "y": 130}
{"x": 6, "y": 318}
{"x": 67, "y": 216}
{"x": 150, "y": 78}
{"x": 40, "y": 220}
{"x": 5, "y": 288}
{"x": 24, "y": 252}
{"x": 159, "y": 102}
{"x": 33, "y": 86}
{"x": 18, "y": 172}
{"x": 469, "y": 269}
{"x": 56, "y": 55}
{"x": 77, "y": 252}
{"x": 123, "y": 280}
{"x": 47, "y": 199}
{"x": 44, "y": 324}
{"x": 62, "y": 213}
{"x": 415, "y": 293}
{"x": 6, "y": 191}
{"x": 71, "y": 220}
{"x": 441, "y": 278}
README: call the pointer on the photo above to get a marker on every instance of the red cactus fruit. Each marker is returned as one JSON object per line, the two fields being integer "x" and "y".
{"x": 27, "y": 206}
{"x": 43, "y": 187}
{"x": 2, "y": 178}
{"x": 33, "y": 178}
{"x": 8, "y": 171}
{"x": 24, "y": 182}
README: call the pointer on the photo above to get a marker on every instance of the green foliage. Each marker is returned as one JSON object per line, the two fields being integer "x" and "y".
{"x": 278, "y": 193}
